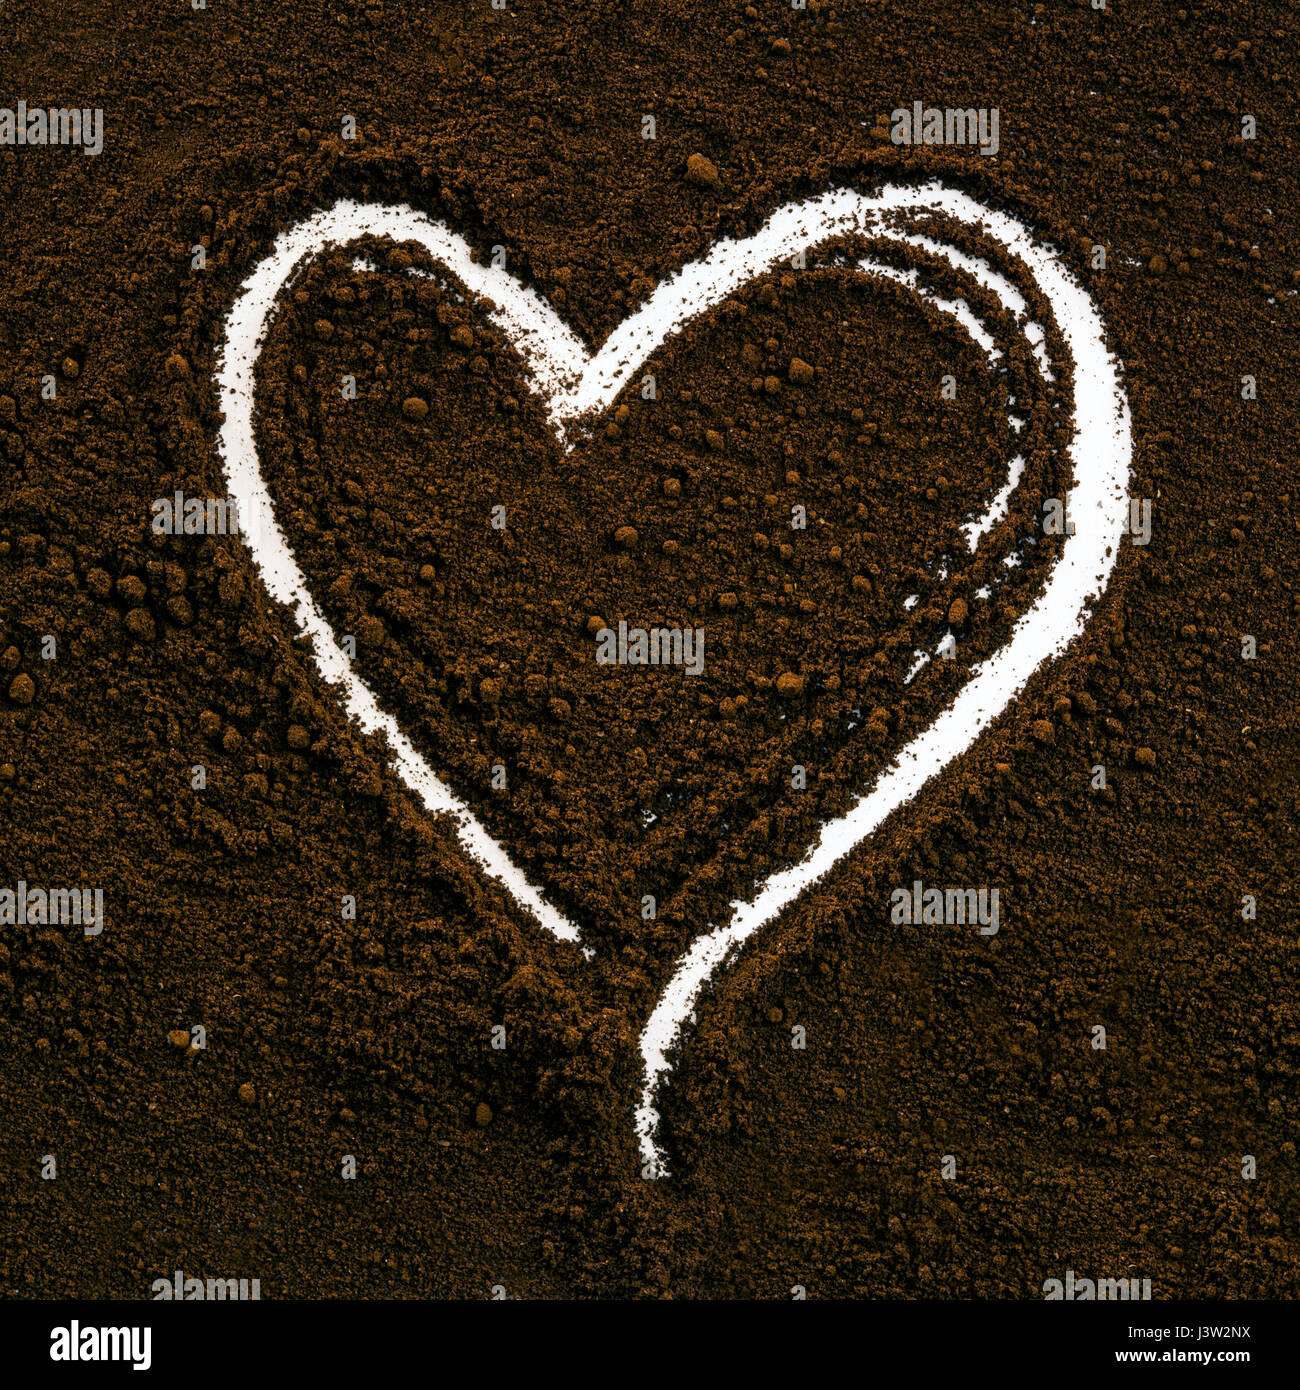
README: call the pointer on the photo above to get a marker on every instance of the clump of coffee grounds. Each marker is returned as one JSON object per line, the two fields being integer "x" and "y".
{"x": 332, "y": 1039}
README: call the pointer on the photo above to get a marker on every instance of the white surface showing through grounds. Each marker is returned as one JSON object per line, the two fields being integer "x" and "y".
{"x": 574, "y": 383}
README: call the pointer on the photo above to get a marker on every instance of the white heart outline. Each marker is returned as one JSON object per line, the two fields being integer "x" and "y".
{"x": 575, "y": 383}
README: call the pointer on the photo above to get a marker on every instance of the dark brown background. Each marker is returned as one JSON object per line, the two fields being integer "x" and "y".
{"x": 820, "y": 1167}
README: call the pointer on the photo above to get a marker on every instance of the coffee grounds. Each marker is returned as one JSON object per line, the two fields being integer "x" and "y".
{"x": 326, "y": 1036}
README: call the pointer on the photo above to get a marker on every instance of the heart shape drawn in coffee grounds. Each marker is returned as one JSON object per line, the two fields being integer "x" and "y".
{"x": 574, "y": 383}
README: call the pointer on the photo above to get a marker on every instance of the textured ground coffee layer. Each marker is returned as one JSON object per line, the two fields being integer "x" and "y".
{"x": 326, "y": 1036}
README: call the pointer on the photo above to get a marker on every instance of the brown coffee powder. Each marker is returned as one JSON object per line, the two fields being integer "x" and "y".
{"x": 325, "y": 1035}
